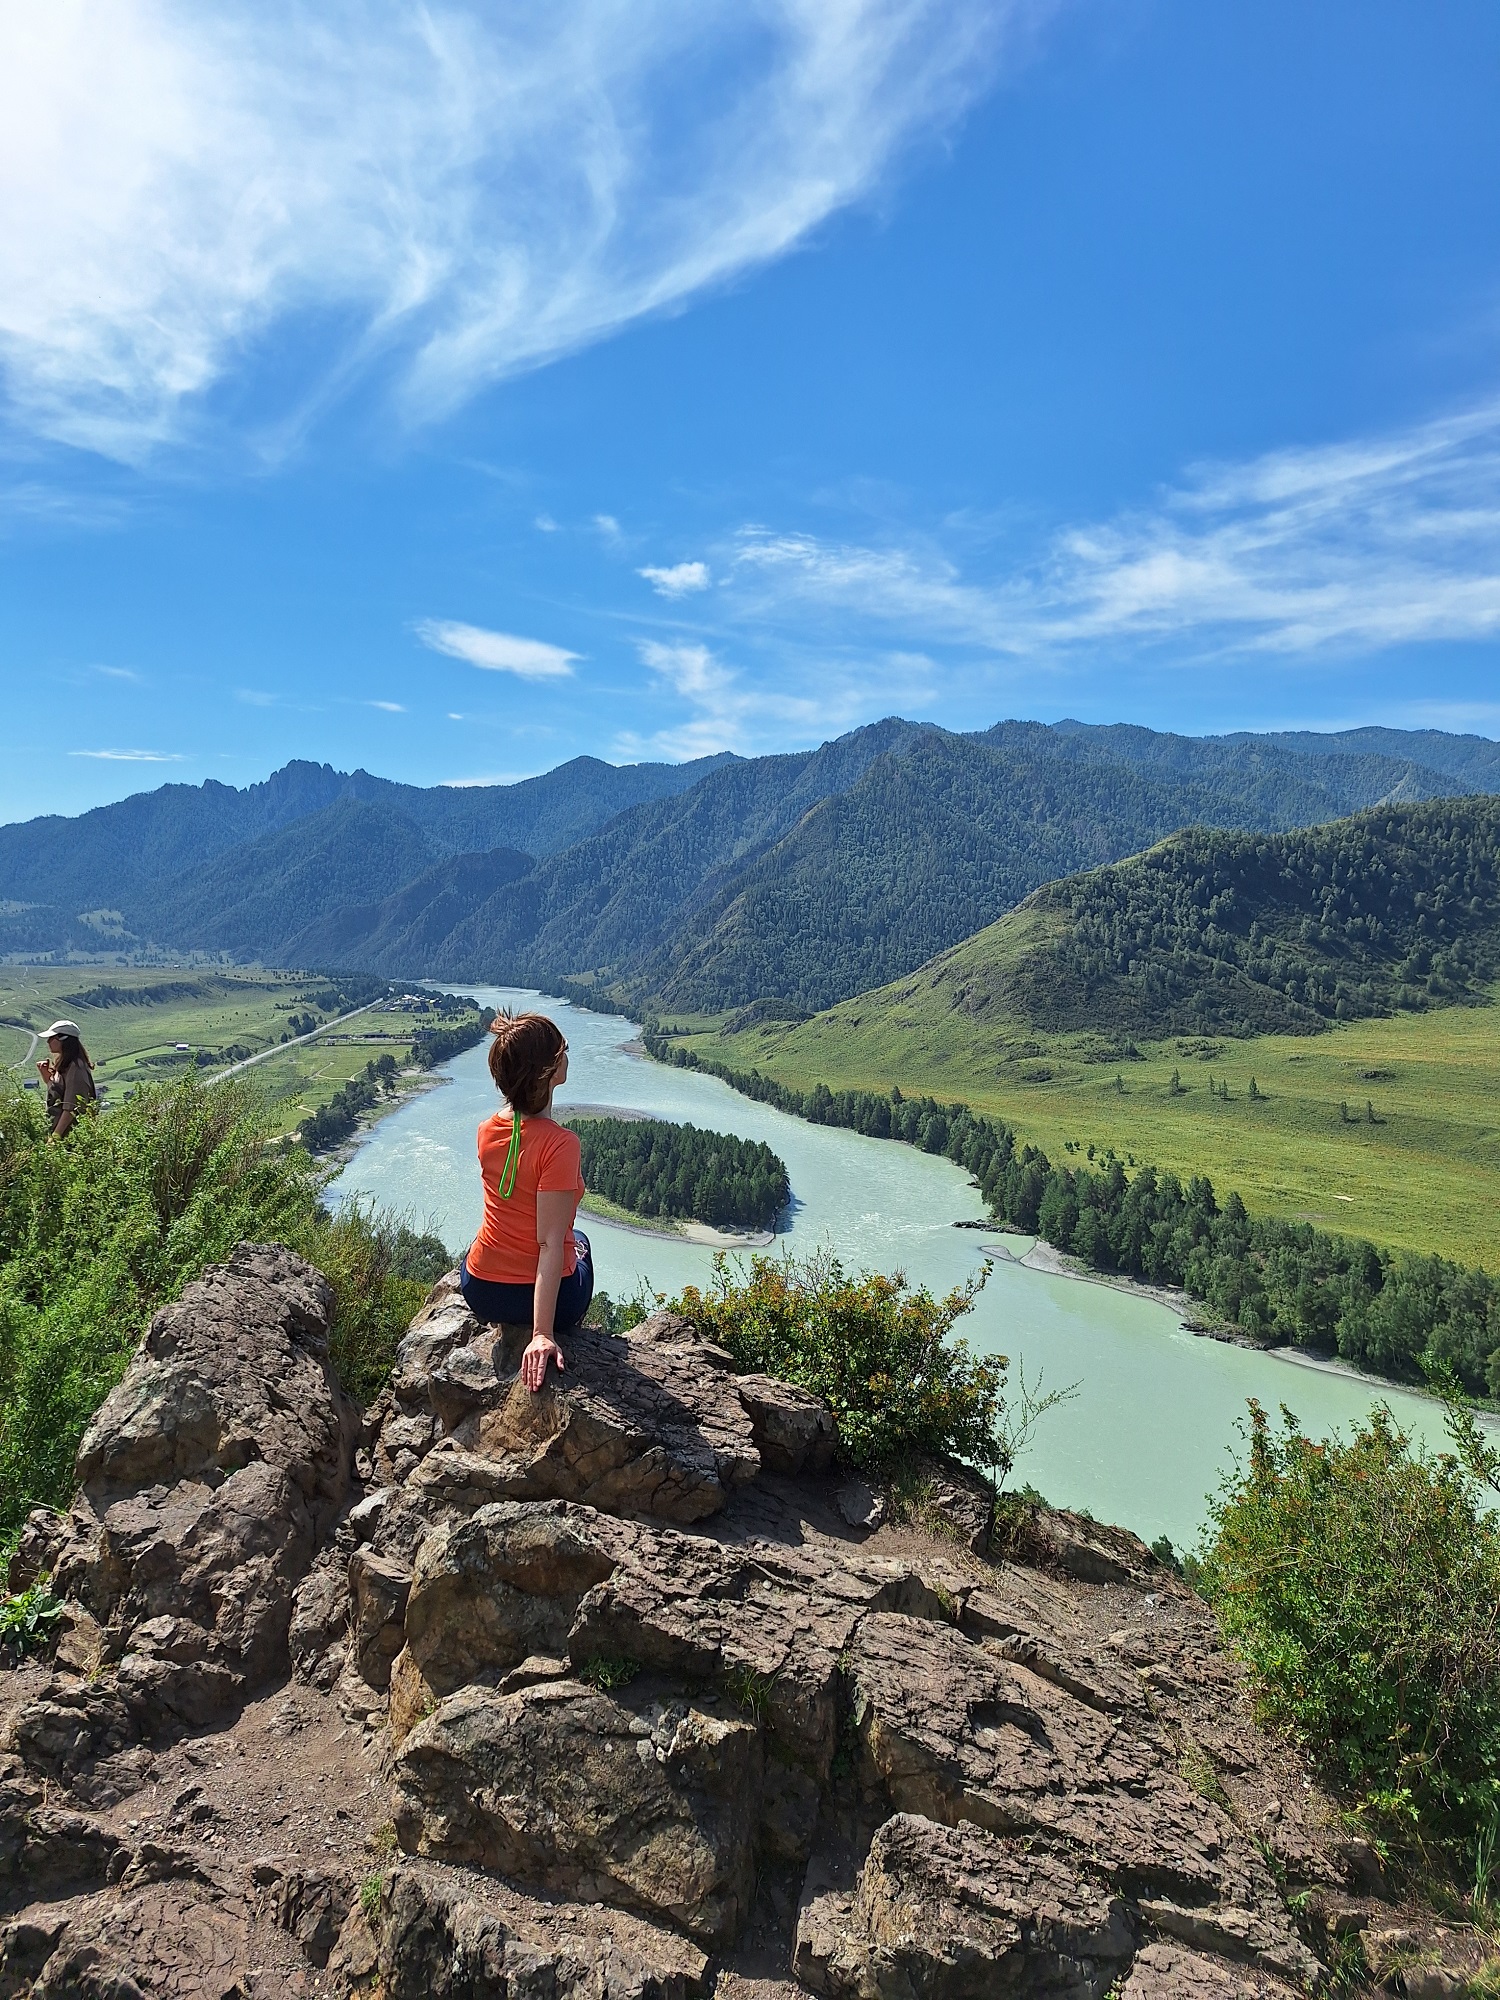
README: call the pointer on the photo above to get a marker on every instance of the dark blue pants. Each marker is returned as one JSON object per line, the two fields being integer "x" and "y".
{"x": 513, "y": 1303}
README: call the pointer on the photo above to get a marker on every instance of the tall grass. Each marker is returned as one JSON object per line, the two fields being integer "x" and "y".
{"x": 100, "y": 1229}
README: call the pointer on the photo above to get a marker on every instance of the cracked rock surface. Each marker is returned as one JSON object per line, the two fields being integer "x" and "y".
{"x": 606, "y": 1692}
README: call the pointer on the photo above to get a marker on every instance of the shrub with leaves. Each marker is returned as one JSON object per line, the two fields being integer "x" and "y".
{"x": 879, "y": 1353}
{"x": 1360, "y": 1579}
{"x": 100, "y": 1229}
{"x": 28, "y": 1618}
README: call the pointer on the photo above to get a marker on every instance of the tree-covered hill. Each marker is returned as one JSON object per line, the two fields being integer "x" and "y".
{"x": 654, "y": 1168}
{"x": 945, "y": 836}
{"x": 1244, "y": 934}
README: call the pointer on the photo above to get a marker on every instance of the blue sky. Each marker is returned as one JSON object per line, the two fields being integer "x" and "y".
{"x": 450, "y": 390}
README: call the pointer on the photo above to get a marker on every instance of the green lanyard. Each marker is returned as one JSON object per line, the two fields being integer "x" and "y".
{"x": 512, "y": 1158}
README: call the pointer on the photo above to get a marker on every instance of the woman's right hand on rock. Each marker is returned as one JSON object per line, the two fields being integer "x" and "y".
{"x": 534, "y": 1361}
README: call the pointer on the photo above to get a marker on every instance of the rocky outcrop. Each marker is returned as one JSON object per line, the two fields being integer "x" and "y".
{"x": 616, "y": 1682}
{"x": 208, "y": 1481}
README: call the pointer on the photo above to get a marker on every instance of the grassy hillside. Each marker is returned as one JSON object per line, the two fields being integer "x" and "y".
{"x": 1107, "y": 1015}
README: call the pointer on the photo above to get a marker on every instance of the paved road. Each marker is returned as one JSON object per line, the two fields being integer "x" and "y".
{"x": 277, "y": 1048}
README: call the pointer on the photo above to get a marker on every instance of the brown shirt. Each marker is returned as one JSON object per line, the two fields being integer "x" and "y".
{"x": 69, "y": 1088}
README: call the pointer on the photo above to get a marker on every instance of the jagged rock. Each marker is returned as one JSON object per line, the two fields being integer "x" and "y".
{"x": 320, "y": 1617}
{"x": 952, "y": 1912}
{"x": 449, "y": 1934}
{"x": 1167, "y": 1972}
{"x": 958, "y": 1502}
{"x": 313, "y": 1904}
{"x": 955, "y": 1732}
{"x": 491, "y": 1591}
{"x": 1051, "y": 1538}
{"x": 379, "y": 1589}
{"x": 633, "y": 1426}
{"x": 209, "y": 1478}
{"x": 767, "y": 1615}
{"x": 645, "y": 1798}
{"x": 794, "y": 1431}
{"x": 597, "y": 1653}
{"x": 860, "y": 1505}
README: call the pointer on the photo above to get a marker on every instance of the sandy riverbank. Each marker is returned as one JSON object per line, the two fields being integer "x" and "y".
{"x": 1042, "y": 1256}
{"x": 667, "y": 1229}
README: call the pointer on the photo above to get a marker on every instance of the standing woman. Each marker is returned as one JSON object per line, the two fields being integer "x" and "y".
{"x": 69, "y": 1077}
{"x": 528, "y": 1261}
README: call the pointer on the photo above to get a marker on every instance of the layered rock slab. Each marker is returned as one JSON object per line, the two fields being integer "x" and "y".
{"x": 645, "y": 1797}
{"x": 952, "y": 1913}
{"x": 449, "y": 1934}
{"x": 957, "y": 1732}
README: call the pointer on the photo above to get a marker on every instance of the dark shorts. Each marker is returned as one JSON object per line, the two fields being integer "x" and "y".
{"x": 512, "y": 1304}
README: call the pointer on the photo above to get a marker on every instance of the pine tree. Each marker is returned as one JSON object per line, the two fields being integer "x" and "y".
{"x": 1175, "y": 1086}
{"x": 1255, "y": 1090}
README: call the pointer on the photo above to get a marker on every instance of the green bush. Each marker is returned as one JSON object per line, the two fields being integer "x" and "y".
{"x": 878, "y": 1352}
{"x": 1360, "y": 1580}
{"x": 100, "y": 1229}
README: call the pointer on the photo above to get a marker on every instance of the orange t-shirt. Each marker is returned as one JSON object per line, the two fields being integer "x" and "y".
{"x": 505, "y": 1252}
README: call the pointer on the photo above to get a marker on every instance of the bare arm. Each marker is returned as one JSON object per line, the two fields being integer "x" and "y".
{"x": 68, "y": 1117}
{"x": 554, "y": 1225}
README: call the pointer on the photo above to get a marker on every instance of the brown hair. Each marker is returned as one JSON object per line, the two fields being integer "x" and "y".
{"x": 524, "y": 1056}
{"x": 72, "y": 1050}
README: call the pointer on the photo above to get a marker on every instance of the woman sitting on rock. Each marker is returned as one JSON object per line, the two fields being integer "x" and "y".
{"x": 528, "y": 1262}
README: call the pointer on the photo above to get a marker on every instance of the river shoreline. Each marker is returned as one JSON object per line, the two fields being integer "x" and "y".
{"x": 1048, "y": 1260}
{"x": 671, "y": 1231}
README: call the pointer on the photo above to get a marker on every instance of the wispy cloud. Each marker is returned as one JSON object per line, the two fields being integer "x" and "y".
{"x": 473, "y": 191}
{"x": 501, "y": 652}
{"x": 255, "y": 697}
{"x": 389, "y": 707}
{"x": 1356, "y": 546}
{"x": 680, "y": 580}
{"x": 134, "y": 756}
{"x": 727, "y": 712}
{"x": 116, "y": 673}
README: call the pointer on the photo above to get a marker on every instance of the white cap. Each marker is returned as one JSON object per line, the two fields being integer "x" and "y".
{"x": 63, "y": 1028}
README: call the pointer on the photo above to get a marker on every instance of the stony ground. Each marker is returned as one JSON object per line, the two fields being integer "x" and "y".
{"x": 622, "y": 1691}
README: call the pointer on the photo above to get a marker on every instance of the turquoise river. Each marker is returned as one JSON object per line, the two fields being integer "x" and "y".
{"x": 1149, "y": 1431}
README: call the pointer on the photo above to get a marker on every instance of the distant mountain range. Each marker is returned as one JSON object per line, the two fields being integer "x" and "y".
{"x": 798, "y": 880}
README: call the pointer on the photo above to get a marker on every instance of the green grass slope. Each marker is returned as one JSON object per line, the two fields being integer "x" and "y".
{"x": 1109, "y": 1012}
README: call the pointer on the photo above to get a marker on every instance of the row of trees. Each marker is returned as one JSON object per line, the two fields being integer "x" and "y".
{"x": 654, "y": 1168}
{"x": 334, "y": 1122}
{"x": 1394, "y": 1312}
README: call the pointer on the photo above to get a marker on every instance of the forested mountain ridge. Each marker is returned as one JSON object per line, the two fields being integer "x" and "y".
{"x": 799, "y": 879}
{"x": 1244, "y": 934}
{"x": 126, "y": 853}
{"x": 956, "y": 829}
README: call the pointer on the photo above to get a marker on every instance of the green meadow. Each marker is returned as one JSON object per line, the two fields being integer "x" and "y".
{"x": 1384, "y": 1129}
